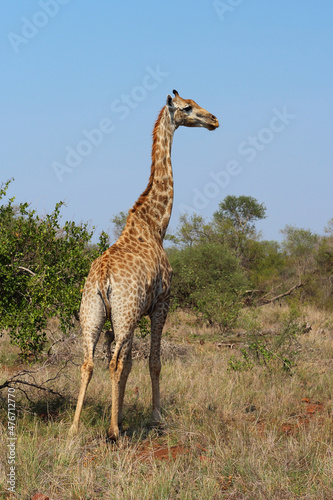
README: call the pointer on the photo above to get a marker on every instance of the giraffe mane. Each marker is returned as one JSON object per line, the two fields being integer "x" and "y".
{"x": 145, "y": 193}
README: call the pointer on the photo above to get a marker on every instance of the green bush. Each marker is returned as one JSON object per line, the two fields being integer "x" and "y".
{"x": 277, "y": 351}
{"x": 208, "y": 279}
{"x": 42, "y": 271}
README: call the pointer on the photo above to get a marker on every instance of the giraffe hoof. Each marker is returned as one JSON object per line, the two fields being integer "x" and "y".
{"x": 157, "y": 417}
{"x": 111, "y": 439}
{"x": 73, "y": 431}
{"x": 159, "y": 428}
{"x": 112, "y": 436}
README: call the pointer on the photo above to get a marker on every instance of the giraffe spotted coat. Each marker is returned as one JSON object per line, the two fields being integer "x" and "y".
{"x": 133, "y": 277}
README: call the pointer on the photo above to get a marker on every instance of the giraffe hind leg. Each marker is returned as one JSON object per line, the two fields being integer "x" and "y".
{"x": 120, "y": 367}
{"x": 158, "y": 318}
{"x": 91, "y": 331}
{"x": 86, "y": 374}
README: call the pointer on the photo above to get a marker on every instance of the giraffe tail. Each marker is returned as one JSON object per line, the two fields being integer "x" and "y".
{"x": 104, "y": 293}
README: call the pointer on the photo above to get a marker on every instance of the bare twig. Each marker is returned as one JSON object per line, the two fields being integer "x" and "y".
{"x": 27, "y": 270}
{"x": 16, "y": 381}
{"x": 11, "y": 382}
{"x": 22, "y": 269}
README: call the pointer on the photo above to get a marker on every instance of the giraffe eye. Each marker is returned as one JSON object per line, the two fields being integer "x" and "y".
{"x": 187, "y": 109}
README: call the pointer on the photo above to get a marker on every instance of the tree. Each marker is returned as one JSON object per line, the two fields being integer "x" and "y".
{"x": 119, "y": 222}
{"x": 241, "y": 213}
{"x": 329, "y": 228}
{"x": 267, "y": 264}
{"x": 234, "y": 225}
{"x": 300, "y": 246}
{"x": 190, "y": 231}
{"x": 298, "y": 242}
{"x": 324, "y": 260}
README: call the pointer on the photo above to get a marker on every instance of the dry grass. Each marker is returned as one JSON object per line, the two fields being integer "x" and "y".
{"x": 227, "y": 434}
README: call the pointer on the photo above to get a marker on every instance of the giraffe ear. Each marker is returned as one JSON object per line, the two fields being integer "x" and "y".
{"x": 170, "y": 102}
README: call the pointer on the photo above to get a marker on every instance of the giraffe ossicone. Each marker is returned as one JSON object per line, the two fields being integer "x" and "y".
{"x": 133, "y": 277}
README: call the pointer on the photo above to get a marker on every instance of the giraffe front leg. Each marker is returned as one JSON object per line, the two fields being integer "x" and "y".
{"x": 158, "y": 318}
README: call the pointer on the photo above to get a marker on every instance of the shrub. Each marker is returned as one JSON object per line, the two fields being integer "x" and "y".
{"x": 42, "y": 270}
{"x": 279, "y": 350}
{"x": 208, "y": 278}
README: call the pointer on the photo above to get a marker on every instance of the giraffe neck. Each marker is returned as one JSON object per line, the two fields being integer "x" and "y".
{"x": 155, "y": 204}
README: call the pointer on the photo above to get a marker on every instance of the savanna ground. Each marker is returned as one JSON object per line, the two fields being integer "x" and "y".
{"x": 233, "y": 427}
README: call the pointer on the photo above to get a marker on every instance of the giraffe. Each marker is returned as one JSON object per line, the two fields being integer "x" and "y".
{"x": 133, "y": 277}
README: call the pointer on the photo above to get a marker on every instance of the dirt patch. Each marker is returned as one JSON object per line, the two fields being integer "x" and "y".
{"x": 309, "y": 411}
{"x": 148, "y": 451}
{"x": 151, "y": 450}
{"x": 8, "y": 371}
{"x": 312, "y": 410}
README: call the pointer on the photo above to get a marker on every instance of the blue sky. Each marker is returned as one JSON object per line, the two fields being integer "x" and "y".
{"x": 82, "y": 83}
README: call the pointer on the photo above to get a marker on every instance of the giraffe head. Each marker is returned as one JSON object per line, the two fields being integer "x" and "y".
{"x": 187, "y": 113}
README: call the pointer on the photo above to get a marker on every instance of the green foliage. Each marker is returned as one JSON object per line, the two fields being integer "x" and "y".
{"x": 309, "y": 259}
{"x": 144, "y": 327}
{"x": 241, "y": 211}
{"x": 298, "y": 242}
{"x": 285, "y": 342}
{"x": 241, "y": 364}
{"x": 234, "y": 225}
{"x": 329, "y": 228}
{"x": 42, "y": 271}
{"x": 325, "y": 255}
{"x": 268, "y": 268}
{"x": 208, "y": 279}
{"x": 190, "y": 231}
{"x": 119, "y": 222}
{"x": 212, "y": 261}
{"x": 237, "y": 215}
{"x": 103, "y": 243}
{"x": 279, "y": 350}
{"x": 322, "y": 286}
